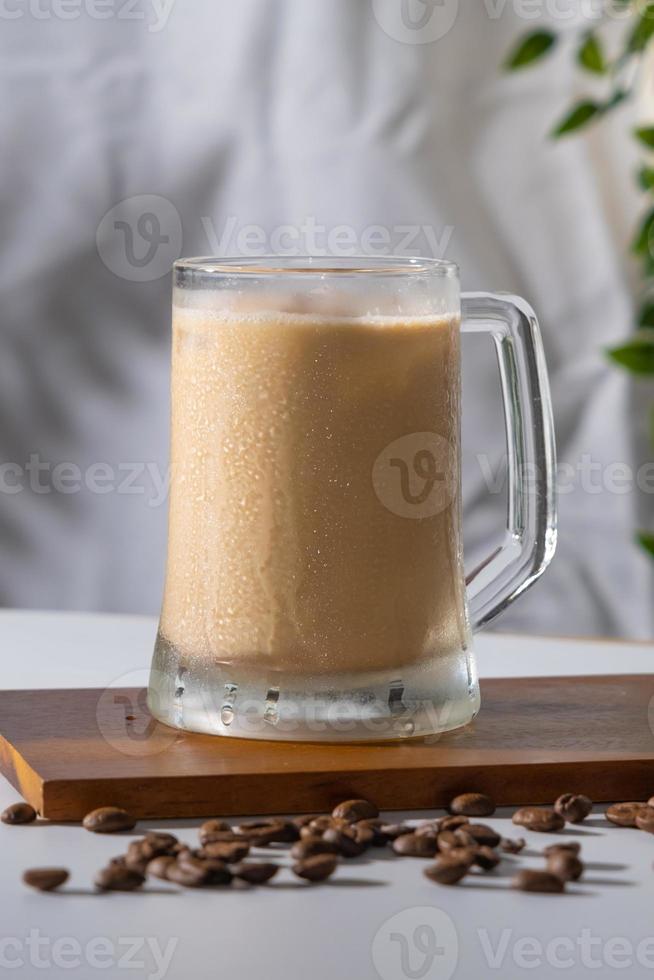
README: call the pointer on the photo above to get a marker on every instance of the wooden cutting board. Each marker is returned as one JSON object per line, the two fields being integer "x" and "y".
{"x": 68, "y": 751}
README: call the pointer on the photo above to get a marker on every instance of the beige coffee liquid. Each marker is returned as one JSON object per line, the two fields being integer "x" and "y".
{"x": 293, "y": 539}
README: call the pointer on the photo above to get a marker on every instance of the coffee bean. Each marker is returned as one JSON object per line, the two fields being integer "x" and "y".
{"x": 189, "y": 874}
{"x": 394, "y": 830}
{"x": 447, "y": 839}
{"x": 537, "y": 881}
{"x": 353, "y": 810}
{"x": 370, "y": 832}
{"x": 271, "y": 831}
{"x": 135, "y": 858}
{"x": 210, "y": 827}
{"x": 479, "y": 833}
{"x": 303, "y": 820}
{"x": 316, "y": 868}
{"x": 446, "y": 871}
{"x": 45, "y": 879}
{"x": 18, "y": 813}
{"x": 486, "y": 858}
{"x": 155, "y": 844}
{"x": 570, "y": 847}
{"x": 512, "y": 845}
{"x": 312, "y": 846}
{"x": 217, "y": 872}
{"x": 467, "y": 854}
{"x": 565, "y": 865}
{"x": 228, "y": 851}
{"x": 573, "y": 807}
{"x": 217, "y": 836}
{"x": 645, "y": 820}
{"x": 413, "y": 845}
{"x": 453, "y": 822}
{"x": 538, "y": 818}
{"x": 430, "y": 829}
{"x": 158, "y": 867}
{"x": 255, "y": 874}
{"x": 650, "y": 802}
{"x": 108, "y": 820}
{"x": 624, "y": 814}
{"x": 472, "y": 805}
{"x": 346, "y": 844}
{"x": 118, "y": 878}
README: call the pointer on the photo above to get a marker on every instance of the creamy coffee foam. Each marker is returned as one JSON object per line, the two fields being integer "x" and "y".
{"x": 284, "y": 552}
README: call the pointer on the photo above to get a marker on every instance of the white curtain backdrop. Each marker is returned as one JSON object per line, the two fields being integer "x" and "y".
{"x": 207, "y": 117}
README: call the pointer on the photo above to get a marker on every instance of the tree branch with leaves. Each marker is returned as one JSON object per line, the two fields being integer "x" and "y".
{"x": 620, "y": 73}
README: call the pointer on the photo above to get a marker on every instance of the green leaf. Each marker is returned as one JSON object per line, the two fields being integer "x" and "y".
{"x": 646, "y": 314}
{"x": 643, "y": 31}
{"x": 531, "y": 48}
{"x": 641, "y": 242}
{"x": 591, "y": 55}
{"x": 646, "y": 135}
{"x": 637, "y": 354}
{"x": 646, "y": 541}
{"x": 646, "y": 178}
{"x": 579, "y": 116}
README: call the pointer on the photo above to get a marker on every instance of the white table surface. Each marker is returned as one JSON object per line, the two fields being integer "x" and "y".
{"x": 356, "y": 927}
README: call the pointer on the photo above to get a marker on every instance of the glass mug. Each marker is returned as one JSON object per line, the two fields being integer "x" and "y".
{"x": 315, "y": 587}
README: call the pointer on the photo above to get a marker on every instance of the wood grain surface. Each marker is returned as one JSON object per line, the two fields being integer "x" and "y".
{"x": 68, "y": 751}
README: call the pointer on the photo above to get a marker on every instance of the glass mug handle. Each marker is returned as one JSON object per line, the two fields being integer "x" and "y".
{"x": 530, "y": 536}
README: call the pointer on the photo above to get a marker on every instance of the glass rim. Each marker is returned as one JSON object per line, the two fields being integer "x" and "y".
{"x": 324, "y": 266}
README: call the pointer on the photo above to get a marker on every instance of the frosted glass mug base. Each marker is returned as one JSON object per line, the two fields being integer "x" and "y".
{"x": 198, "y": 695}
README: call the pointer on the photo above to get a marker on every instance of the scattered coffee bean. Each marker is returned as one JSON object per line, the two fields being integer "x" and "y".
{"x": 426, "y": 830}
{"x": 538, "y": 818}
{"x": 367, "y": 836}
{"x": 108, "y": 820}
{"x": 645, "y": 820}
{"x": 272, "y": 831}
{"x": 394, "y": 830}
{"x": 316, "y": 868}
{"x": 571, "y": 847}
{"x": 312, "y": 846}
{"x": 467, "y": 854}
{"x": 304, "y": 819}
{"x": 158, "y": 867}
{"x": 353, "y": 810}
{"x": 346, "y": 844}
{"x": 565, "y": 865}
{"x": 537, "y": 881}
{"x": 446, "y": 871}
{"x": 512, "y": 845}
{"x": 414, "y": 845}
{"x": 155, "y": 844}
{"x": 18, "y": 813}
{"x": 217, "y": 871}
{"x": 624, "y": 814}
{"x": 210, "y": 827}
{"x": 228, "y": 851}
{"x": 650, "y": 802}
{"x": 486, "y": 858}
{"x": 255, "y": 873}
{"x": 452, "y": 822}
{"x": 447, "y": 839}
{"x": 45, "y": 879}
{"x": 135, "y": 858}
{"x": 118, "y": 878}
{"x": 479, "y": 833}
{"x": 472, "y": 805}
{"x": 188, "y": 875}
{"x": 573, "y": 807}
